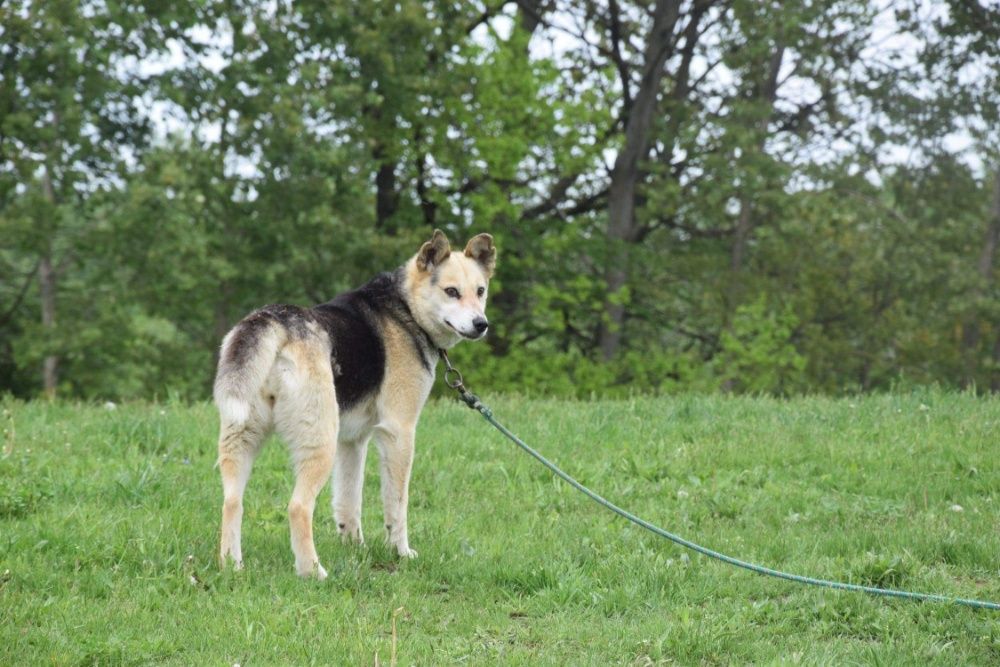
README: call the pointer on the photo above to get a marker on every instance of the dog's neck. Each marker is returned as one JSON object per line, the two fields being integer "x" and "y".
{"x": 430, "y": 348}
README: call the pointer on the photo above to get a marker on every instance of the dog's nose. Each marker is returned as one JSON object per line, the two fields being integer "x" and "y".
{"x": 480, "y": 324}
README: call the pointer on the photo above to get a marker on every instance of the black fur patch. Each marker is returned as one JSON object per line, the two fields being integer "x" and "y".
{"x": 245, "y": 337}
{"x": 353, "y": 321}
{"x": 357, "y": 354}
{"x": 248, "y": 331}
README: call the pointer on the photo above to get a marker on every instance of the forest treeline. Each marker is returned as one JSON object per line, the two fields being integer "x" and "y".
{"x": 686, "y": 194}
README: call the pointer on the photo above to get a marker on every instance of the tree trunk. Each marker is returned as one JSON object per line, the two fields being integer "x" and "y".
{"x": 386, "y": 196}
{"x": 741, "y": 235}
{"x": 427, "y": 207}
{"x": 530, "y": 13}
{"x": 614, "y": 308}
{"x": 625, "y": 174}
{"x": 768, "y": 92}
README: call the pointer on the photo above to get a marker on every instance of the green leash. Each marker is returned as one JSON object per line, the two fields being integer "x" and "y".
{"x": 453, "y": 378}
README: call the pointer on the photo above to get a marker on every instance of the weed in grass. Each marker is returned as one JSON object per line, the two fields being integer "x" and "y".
{"x": 882, "y": 571}
{"x": 22, "y": 489}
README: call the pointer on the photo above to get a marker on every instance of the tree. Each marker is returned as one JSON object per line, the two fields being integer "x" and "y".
{"x": 953, "y": 92}
{"x": 698, "y": 193}
{"x": 637, "y": 118}
{"x": 67, "y": 131}
{"x": 700, "y": 95}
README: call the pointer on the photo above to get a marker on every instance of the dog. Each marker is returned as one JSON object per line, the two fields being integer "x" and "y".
{"x": 328, "y": 378}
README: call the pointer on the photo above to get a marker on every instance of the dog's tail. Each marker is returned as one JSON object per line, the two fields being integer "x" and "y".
{"x": 248, "y": 354}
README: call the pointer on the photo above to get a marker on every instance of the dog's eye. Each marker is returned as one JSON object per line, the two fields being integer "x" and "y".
{"x": 481, "y": 291}
{"x": 452, "y": 292}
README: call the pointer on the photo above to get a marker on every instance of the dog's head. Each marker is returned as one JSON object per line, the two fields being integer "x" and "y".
{"x": 448, "y": 290}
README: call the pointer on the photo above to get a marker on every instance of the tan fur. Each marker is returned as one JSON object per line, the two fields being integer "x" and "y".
{"x": 434, "y": 252}
{"x": 425, "y": 296}
{"x": 404, "y": 392}
{"x": 287, "y": 386}
{"x": 297, "y": 400}
{"x": 481, "y": 249}
{"x": 234, "y": 390}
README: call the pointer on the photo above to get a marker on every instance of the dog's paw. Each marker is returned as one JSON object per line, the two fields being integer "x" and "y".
{"x": 352, "y": 538}
{"x": 350, "y": 533}
{"x": 313, "y": 570}
{"x": 406, "y": 552}
{"x": 226, "y": 560}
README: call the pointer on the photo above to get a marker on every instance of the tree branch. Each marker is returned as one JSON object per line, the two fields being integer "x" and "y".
{"x": 556, "y": 195}
{"x": 624, "y": 75}
{"x": 486, "y": 15}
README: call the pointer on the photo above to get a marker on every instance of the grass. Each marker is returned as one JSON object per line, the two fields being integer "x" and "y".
{"x": 108, "y": 522}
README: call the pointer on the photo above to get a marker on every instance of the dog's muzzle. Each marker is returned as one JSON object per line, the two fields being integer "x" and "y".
{"x": 479, "y": 325}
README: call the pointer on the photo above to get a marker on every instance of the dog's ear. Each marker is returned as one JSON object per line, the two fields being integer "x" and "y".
{"x": 433, "y": 252}
{"x": 481, "y": 249}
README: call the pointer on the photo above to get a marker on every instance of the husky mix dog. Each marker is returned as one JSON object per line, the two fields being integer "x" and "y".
{"x": 328, "y": 378}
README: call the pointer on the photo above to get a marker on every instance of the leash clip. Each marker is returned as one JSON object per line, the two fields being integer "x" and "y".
{"x": 453, "y": 378}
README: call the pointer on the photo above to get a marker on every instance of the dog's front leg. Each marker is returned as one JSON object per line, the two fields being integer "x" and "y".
{"x": 395, "y": 448}
{"x": 348, "y": 479}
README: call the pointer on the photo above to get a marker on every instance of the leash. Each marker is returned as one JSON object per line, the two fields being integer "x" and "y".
{"x": 453, "y": 378}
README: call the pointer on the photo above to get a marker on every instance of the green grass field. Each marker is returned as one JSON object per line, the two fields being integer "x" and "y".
{"x": 109, "y": 519}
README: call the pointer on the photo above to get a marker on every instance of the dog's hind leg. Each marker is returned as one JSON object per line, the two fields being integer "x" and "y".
{"x": 313, "y": 468}
{"x": 348, "y": 480}
{"x": 239, "y": 445}
{"x": 305, "y": 415}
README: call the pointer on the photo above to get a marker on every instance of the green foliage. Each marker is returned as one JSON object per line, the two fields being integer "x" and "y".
{"x": 178, "y": 166}
{"x": 757, "y": 353}
{"x": 533, "y": 371}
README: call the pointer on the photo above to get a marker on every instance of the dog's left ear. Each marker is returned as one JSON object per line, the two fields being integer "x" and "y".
{"x": 481, "y": 249}
{"x": 433, "y": 252}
